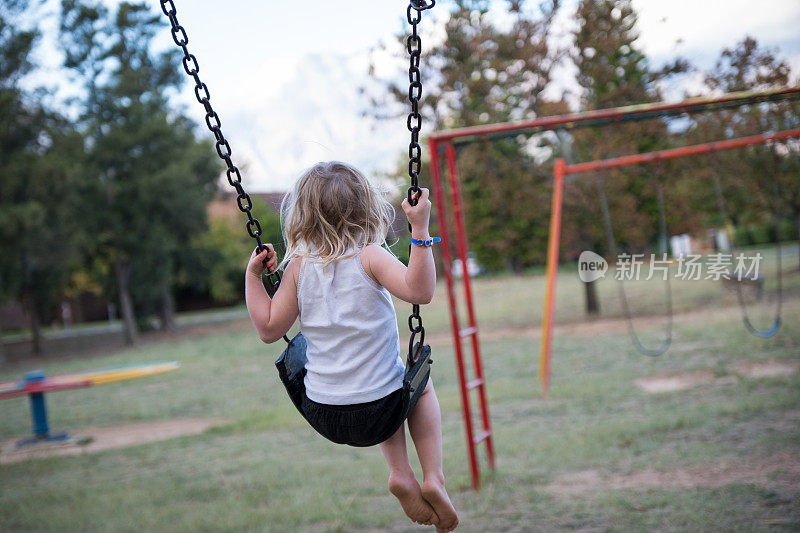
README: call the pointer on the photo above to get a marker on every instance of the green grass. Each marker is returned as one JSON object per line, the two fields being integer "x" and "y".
{"x": 267, "y": 471}
{"x": 516, "y": 302}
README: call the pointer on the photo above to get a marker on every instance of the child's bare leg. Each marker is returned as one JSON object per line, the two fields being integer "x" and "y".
{"x": 425, "y": 426}
{"x": 402, "y": 482}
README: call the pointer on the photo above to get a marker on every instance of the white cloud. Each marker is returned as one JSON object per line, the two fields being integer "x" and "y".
{"x": 700, "y": 29}
{"x": 315, "y": 115}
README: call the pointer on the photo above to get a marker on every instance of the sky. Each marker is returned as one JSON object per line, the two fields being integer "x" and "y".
{"x": 285, "y": 76}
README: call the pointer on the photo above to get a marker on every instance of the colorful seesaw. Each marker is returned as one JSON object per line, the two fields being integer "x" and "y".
{"x": 35, "y": 384}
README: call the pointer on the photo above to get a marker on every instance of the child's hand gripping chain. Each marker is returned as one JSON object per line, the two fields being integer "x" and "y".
{"x": 256, "y": 265}
{"x": 418, "y": 215}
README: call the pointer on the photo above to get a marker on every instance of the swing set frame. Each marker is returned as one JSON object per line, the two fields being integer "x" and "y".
{"x": 445, "y": 142}
{"x": 562, "y": 169}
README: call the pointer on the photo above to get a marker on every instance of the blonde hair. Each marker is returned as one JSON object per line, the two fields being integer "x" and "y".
{"x": 332, "y": 210}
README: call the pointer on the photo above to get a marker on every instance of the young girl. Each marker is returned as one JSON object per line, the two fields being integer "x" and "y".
{"x": 338, "y": 278}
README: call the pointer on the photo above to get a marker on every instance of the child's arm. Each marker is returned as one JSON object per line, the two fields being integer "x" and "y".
{"x": 271, "y": 317}
{"x": 414, "y": 284}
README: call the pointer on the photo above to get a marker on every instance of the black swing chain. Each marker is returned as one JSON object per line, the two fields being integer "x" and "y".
{"x": 414, "y": 124}
{"x": 414, "y": 47}
{"x": 192, "y": 68}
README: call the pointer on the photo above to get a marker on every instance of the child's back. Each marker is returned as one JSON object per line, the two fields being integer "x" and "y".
{"x": 349, "y": 323}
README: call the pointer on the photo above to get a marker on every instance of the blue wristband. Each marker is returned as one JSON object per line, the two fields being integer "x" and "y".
{"x": 425, "y": 242}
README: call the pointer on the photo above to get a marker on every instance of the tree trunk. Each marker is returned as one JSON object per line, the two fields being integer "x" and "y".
{"x": 516, "y": 265}
{"x": 167, "y": 305}
{"x": 122, "y": 271}
{"x": 592, "y": 302}
{"x": 77, "y": 310}
{"x": 36, "y": 323}
{"x": 797, "y": 219}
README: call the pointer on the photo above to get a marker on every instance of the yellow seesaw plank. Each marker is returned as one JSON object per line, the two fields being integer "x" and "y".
{"x": 103, "y": 376}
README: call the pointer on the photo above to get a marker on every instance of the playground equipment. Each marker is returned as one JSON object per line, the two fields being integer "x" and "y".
{"x": 445, "y": 141}
{"x": 478, "y": 383}
{"x": 35, "y": 384}
{"x": 561, "y": 169}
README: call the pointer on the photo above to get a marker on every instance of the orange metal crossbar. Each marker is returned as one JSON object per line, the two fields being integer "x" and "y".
{"x": 561, "y": 169}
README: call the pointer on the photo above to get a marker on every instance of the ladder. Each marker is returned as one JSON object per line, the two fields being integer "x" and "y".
{"x": 478, "y": 382}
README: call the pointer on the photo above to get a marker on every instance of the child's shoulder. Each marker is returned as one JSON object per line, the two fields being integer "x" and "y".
{"x": 371, "y": 250}
{"x": 373, "y": 256}
{"x": 292, "y": 270}
{"x": 374, "y": 252}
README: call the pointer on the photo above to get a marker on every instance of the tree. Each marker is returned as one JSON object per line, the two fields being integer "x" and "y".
{"x": 612, "y": 72}
{"x": 486, "y": 70}
{"x": 147, "y": 179}
{"x": 222, "y": 252}
{"x": 38, "y": 159}
{"x": 18, "y": 133}
{"x": 763, "y": 179}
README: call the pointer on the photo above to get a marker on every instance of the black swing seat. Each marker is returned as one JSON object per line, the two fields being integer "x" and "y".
{"x": 291, "y": 367}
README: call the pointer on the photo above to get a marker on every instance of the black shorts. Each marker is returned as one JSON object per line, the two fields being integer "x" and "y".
{"x": 359, "y": 424}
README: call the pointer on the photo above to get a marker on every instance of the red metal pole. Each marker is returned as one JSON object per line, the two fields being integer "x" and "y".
{"x": 441, "y": 210}
{"x": 552, "y": 273}
{"x": 694, "y": 149}
{"x": 479, "y": 383}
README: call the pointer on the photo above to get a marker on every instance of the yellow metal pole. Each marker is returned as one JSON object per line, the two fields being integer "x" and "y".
{"x": 552, "y": 271}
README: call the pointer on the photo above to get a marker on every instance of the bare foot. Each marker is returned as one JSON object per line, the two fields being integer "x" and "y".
{"x": 434, "y": 494}
{"x": 407, "y": 491}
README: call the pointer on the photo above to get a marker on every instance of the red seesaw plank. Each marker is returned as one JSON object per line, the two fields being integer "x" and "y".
{"x": 23, "y": 389}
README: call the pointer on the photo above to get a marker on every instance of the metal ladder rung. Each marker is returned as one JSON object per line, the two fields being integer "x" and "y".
{"x": 468, "y": 331}
{"x": 482, "y": 436}
{"x": 475, "y": 383}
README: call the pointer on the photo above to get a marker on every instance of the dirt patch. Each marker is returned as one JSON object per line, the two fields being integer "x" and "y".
{"x": 766, "y": 369}
{"x": 681, "y": 381}
{"x": 767, "y": 471}
{"x": 695, "y": 346}
{"x": 687, "y": 380}
{"x": 91, "y": 440}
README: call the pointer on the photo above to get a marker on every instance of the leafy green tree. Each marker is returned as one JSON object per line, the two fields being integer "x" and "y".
{"x": 18, "y": 136}
{"x": 612, "y": 71}
{"x": 221, "y": 253}
{"x": 763, "y": 179}
{"x": 38, "y": 157}
{"x": 487, "y": 70}
{"x": 147, "y": 179}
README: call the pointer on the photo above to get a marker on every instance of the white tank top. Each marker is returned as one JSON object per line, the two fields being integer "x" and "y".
{"x": 350, "y": 325}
